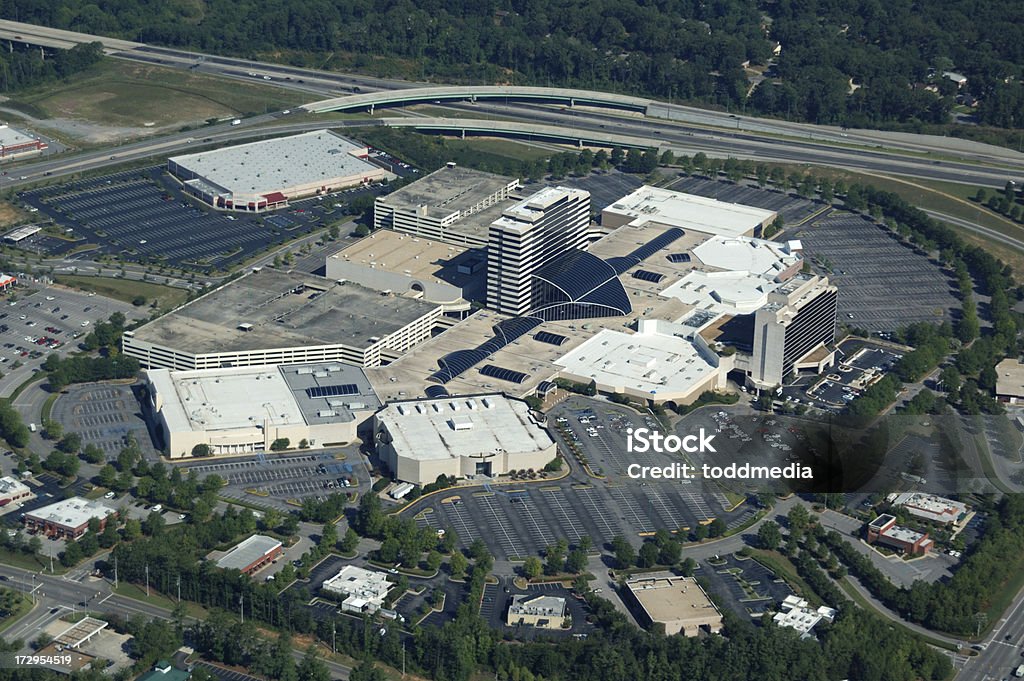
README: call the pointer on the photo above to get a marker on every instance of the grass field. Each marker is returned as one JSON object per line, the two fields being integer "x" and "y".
{"x": 502, "y": 147}
{"x": 126, "y": 94}
{"x": 28, "y": 561}
{"x": 167, "y": 297}
{"x": 139, "y": 593}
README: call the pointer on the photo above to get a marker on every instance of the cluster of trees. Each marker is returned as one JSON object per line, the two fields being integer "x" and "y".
{"x": 402, "y": 540}
{"x": 951, "y": 606}
{"x": 224, "y": 639}
{"x": 24, "y": 68}
{"x": 1006, "y": 202}
{"x": 558, "y": 559}
{"x": 673, "y": 50}
{"x": 12, "y": 428}
{"x": 64, "y": 371}
{"x": 106, "y": 334}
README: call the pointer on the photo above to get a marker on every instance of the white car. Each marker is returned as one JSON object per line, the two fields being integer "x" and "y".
{"x": 109, "y": 495}
{"x": 157, "y": 508}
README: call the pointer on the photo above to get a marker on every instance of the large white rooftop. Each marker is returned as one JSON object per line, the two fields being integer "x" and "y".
{"x": 929, "y": 506}
{"x": 268, "y": 166}
{"x": 73, "y": 512}
{"x": 521, "y": 215}
{"x": 722, "y": 292}
{"x": 688, "y": 212}
{"x": 247, "y": 552}
{"x": 11, "y": 137}
{"x": 247, "y": 397}
{"x": 767, "y": 259}
{"x": 222, "y": 399}
{"x": 650, "y": 362}
{"x": 454, "y": 427}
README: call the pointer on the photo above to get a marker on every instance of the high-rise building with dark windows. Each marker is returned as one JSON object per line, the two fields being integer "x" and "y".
{"x": 528, "y": 236}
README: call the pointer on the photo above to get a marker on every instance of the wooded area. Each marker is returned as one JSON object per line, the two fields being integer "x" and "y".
{"x": 885, "y": 53}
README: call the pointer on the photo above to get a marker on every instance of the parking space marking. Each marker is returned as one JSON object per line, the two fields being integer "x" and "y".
{"x": 455, "y": 514}
{"x": 634, "y": 514}
{"x": 597, "y": 512}
{"x": 498, "y": 526}
{"x": 540, "y": 532}
{"x": 566, "y": 516}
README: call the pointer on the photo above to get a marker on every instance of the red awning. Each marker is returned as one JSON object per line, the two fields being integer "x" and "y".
{"x": 275, "y": 197}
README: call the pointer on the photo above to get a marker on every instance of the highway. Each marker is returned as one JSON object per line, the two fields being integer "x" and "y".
{"x": 690, "y": 130}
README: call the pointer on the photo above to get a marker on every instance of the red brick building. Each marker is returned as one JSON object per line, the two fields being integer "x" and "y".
{"x": 883, "y": 530}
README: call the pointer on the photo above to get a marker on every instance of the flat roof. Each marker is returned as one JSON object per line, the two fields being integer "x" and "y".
{"x": 451, "y": 192}
{"x": 11, "y": 485}
{"x": 354, "y": 581}
{"x": 521, "y": 215}
{"x": 284, "y": 309}
{"x": 1010, "y": 377}
{"x": 11, "y": 137}
{"x": 247, "y": 552}
{"x": 267, "y": 166}
{"x": 80, "y": 632}
{"x": 463, "y": 426}
{"x": 929, "y": 505}
{"x": 246, "y": 397}
{"x": 73, "y": 512}
{"x": 22, "y": 232}
{"x": 689, "y": 212}
{"x": 666, "y": 598}
{"x": 413, "y": 256}
{"x": 539, "y": 604}
{"x": 648, "y": 362}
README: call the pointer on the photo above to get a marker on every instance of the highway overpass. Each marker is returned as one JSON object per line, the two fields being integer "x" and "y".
{"x": 30, "y": 34}
{"x": 579, "y": 137}
{"x": 448, "y": 93}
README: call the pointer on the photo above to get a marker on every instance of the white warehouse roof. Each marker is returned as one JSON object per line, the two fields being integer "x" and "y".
{"x": 277, "y": 164}
{"x": 454, "y": 427}
{"x": 689, "y": 212}
{"x": 73, "y": 512}
{"x": 650, "y": 362}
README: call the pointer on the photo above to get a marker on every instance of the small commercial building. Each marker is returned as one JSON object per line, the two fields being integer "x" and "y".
{"x": 796, "y": 613}
{"x": 883, "y": 530}
{"x": 1010, "y": 380}
{"x": 13, "y": 491}
{"x": 19, "y": 234}
{"x": 362, "y": 590}
{"x": 15, "y": 144}
{"x": 247, "y": 409}
{"x": 67, "y": 519}
{"x": 165, "y": 671}
{"x": 467, "y": 435}
{"x": 679, "y": 603}
{"x": 266, "y": 175}
{"x": 932, "y": 508}
{"x": 543, "y": 612}
{"x": 250, "y": 555}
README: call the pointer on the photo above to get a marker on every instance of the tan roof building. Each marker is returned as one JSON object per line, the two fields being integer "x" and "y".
{"x": 677, "y": 602}
{"x": 1010, "y": 380}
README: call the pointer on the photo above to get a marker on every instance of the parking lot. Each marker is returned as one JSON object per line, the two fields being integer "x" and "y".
{"x": 143, "y": 216}
{"x": 274, "y": 479}
{"x": 498, "y": 597}
{"x": 605, "y": 188}
{"x": 36, "y": 320}
{"x": 745, "y": 586}
{"x": 859, "y": 363}
{"x": 104, "y": 415}
{"x": 883, "y": 285}
{"x": 793, "y": 209}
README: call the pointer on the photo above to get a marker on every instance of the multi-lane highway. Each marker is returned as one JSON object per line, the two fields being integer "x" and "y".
{"x": 689, "y": 130}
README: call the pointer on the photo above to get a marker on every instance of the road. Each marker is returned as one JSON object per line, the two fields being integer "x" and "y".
{"x": 57, "y": 592}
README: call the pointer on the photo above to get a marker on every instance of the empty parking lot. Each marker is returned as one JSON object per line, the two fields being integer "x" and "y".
{"x": 104, "y": 415}
{"x": 883, "y": 285}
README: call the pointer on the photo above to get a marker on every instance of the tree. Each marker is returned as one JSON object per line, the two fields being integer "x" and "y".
{"x": 434, "y": 560}
{"x": 93, "y": 454}
{"x": 202, "y": 450}
{"x": 717, "y": 528}
{"x": 648, "y": 556}
{"x": 349, "y": 542}
{"x": 280, "y": 444}
{"x": 532, "y": 567}
{"x": 107, "y": 476}
{"x": 458, "y": 564}
{"x": 625, "y": 555}
{"x": 577, "y": 561}
{"x": 769, "y": 535}
{"x": 71, "y": 443}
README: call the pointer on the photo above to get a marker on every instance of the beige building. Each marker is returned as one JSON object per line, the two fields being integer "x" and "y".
{"x": 1010, "y": 380}
{"x": 245, "y": 409}
{"x": 543, "y": 612}
{"x": 679, "y": 603}
{"x": 462, "y": 436}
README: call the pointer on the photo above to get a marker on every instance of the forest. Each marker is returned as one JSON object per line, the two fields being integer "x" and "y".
{"x": 861, "y": 63}
{"x": 19, "y": 69}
